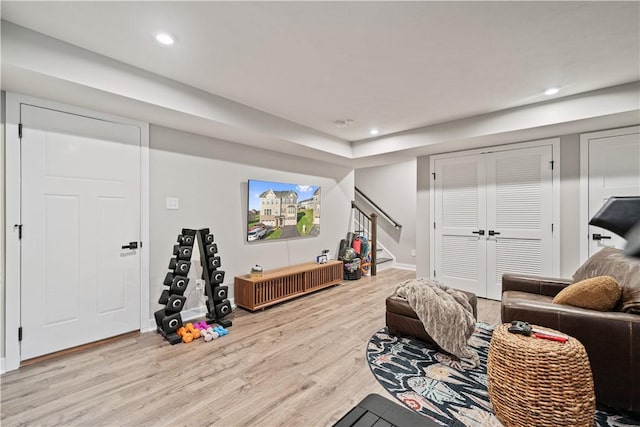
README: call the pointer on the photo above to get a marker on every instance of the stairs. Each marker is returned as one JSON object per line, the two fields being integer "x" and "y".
{"x": 383, "y": 257}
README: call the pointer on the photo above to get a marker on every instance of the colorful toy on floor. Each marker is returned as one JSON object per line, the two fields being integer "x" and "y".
{"x": 209, "y": 334}
{"x": 221, "y": 331}
{"x": 191, "y": 329}
{"x": 186, "y": 336}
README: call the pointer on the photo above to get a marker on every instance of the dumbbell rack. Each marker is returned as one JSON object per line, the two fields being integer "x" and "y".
{"x": 218, "y": 306}
{"x": 168, "y": 319}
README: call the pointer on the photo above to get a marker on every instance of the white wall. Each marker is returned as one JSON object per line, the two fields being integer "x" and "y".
{"x": 569, "y": 208}
{"x": 210, "y": 179}
{"x": 2, "y": 226}
{"x": 393, "y": 188}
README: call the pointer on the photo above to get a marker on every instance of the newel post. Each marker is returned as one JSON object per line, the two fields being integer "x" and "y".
{"x": 374, "y": 243}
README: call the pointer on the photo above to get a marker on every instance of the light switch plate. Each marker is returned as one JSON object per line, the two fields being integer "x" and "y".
{"x": 173, "y": 203}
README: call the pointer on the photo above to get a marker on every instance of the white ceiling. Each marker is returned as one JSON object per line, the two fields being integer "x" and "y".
{"x": 395, "y": 66}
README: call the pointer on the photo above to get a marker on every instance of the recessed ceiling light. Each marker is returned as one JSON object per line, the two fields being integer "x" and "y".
{"x": 551, "y": 91}
{"x": 374, "y": 131}
{"x": 165, "y": 39}
{"x": 343, "y": 123}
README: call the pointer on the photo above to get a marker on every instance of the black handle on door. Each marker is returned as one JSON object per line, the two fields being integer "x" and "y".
{"x": 479, "y": 232}
{"x": 131, "y": 245}
{"x": 598, "y": 236}
{"x": 493, "y": 233}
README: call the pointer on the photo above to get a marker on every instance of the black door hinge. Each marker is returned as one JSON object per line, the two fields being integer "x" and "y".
{"x": 552, "y": 227}
{"x": 434, "y": 274}
{"x": 552, "y": 163}
{"x": 20, "y": 130}
{"x": 20, "y": 333}
{"x": 434, "y": 175}
{"x": 19, "y": 227}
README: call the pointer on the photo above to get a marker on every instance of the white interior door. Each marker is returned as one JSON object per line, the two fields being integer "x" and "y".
{"x": 80, "y": 205}
{"x": 519, "y": 214}
{"x": 460, "y": 254}
{"x": 493, "y": 215}
{"x": 614, "y": 170}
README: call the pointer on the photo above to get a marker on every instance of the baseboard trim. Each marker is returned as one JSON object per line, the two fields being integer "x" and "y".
{"x": 401, "y": 266}
{"x": 187, "y": 315}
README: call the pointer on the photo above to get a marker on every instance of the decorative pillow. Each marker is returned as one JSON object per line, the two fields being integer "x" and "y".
{"x": 598, "y": 293}
{"x": 626, "y": 270}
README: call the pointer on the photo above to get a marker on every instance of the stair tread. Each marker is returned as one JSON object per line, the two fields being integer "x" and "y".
{"x": 381, "y": 260}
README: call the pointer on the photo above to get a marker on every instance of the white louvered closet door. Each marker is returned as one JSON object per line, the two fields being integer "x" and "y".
{"x": 519, "y": 214}
{"x": 460, "y": 256}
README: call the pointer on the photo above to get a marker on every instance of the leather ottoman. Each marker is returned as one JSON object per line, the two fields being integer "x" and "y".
{"x": 403, "y": 321}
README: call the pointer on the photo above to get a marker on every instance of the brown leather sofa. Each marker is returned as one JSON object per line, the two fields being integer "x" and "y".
{"x": 403, "y": 321}
{"x": 611, "y": 339}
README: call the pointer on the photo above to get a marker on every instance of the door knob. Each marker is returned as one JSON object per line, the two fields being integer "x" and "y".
{"x": 493, "y": 233}
{"x": 598, "y": 236}
{"x": 479, "y": 232}
{"x": 131, "y": 245}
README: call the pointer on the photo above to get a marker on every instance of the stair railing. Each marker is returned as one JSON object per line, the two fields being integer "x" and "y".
{"x": 367, "y": 227}
{"x": 385, "y": 215}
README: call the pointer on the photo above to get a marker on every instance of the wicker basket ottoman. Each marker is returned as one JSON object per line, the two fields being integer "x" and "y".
{"x": 537, "y": 382}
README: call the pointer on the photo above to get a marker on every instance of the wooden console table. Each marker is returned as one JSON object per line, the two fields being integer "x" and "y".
{"x": 257, "y": 292}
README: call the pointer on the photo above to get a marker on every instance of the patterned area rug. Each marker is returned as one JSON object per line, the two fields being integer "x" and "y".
{"x": 439, "y": 386}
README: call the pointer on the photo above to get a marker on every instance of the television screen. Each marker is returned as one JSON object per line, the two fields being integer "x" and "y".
{"x": 282, "y": 211}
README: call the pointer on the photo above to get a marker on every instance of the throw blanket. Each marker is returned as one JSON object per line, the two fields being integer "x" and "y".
{"x": 445, "y": 313}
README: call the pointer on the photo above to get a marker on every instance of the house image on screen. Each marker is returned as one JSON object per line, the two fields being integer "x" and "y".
{"x": 314, "y": 204}
{"x": 279, "y": 208}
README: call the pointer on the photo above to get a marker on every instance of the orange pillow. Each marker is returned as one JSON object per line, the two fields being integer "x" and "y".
{"x": 597, "y": 293}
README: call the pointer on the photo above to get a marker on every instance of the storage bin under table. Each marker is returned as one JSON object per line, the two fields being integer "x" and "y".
{"x": 537, "y": 382}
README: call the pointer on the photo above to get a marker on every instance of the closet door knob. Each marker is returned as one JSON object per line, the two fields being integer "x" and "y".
{"x": 479, "y": 232}
{"x": 493, "y": 233}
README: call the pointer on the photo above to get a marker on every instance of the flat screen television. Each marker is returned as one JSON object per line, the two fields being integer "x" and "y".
{"x": 278, "y": 210}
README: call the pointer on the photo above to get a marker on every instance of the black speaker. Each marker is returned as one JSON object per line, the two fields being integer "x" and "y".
{"x": 164, "y": 297}
{"x": 214, "y": 262}
{"x": 220, "y": 293}
{"x": 168, "y": 279}
{"x": 184, "y": 252}
{"x": 175, "y": 304}
{"x": 208, "y": 239}
{"x": 182, "y": 267}
{"x": 211, "y": 249}
{"x": 223, "y": 309}
{"x": 178, "y": 285}
{"x": 217, "y": 277}
{"x": 171, "y": 323}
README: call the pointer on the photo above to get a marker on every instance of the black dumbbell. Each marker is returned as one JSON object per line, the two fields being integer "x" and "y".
{"x": 220, "y": 293}
{"x": 175, "y": 304}
{"x": 217, "y": 277}
{"x": 171, "y": 323}
{"x": 159, "y": 315}
{"x": 184, "y": 252}
{"x": 211, "y": 249}
{"x": 182, "y": 267}
{"x": 214, "y": 262}
{"x": 188, "y": 232}
{"x": 172, "y": 263}
{"x": 176, "y": 248}
{"x": 168, "y": 279}
{"x": 223, "y": 309}
{"x": 179, "y": 285}
{"x": 164, "y": 297}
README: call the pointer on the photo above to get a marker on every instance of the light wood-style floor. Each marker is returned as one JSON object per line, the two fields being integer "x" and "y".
{"x": 301, "y": 363}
